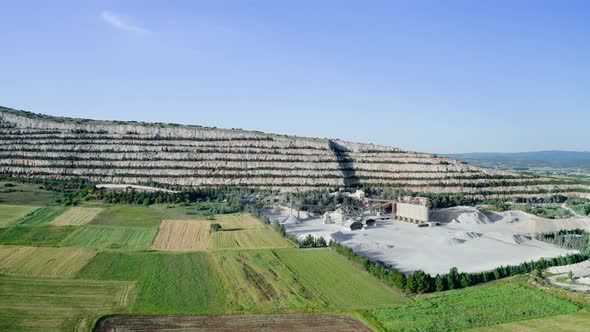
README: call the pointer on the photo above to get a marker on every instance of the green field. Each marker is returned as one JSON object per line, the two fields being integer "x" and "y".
{"x": 491, "y": 304}
{"x": 27, "y": 194}
{"x": 109, "y": 237}
{"x": 12, "y": 213}
{"x": 167, "y": 283}
{"x": 44, "y": 235}
{"x": 132, "y": 216}
{"x": 43, "y": 216}
{"x": 43, "y": 262}
{"x": 248, "y": 239}
{"x": 577, "y": 322}
{"x": 257, "y": 281}
{"x": 337, "y": 282}
{"x": 59, "y": 305}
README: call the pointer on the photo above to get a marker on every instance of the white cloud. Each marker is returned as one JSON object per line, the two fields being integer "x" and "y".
{"x": 119, "y": 23}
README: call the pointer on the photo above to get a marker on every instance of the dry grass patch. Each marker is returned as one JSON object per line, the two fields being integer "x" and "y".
{"x": 77, "y": 216}
{"x": 43, "y": 262}
{"x": 183, "y": 235}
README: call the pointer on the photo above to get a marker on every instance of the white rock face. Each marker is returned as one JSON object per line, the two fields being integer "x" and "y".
{"x": 178, "y": 155}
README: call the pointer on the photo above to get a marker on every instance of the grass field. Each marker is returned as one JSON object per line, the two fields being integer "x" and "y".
{"x": 109, "y": 237}
{"x": 337, "y": 282}
{"x": 43, "y": 216}
{"x": 577, "y": 322}
{"x": 168, "y": 283}
{"x": 32, "y": 304}
{"x": 183, "y": 235}
{"x": 44, "y": 235}
{"x": 238, "y": 221}
{"x": 257, "y": 281}
{"x": 30, "y": 194}
{"x": 248, "y": 239}
{"x": 43, "y": 262}
{"x": 77, "y": 216}
{"x": 491, "y": 304}
{"x": 124, "y": 215}
{"x": 12, "y": 213}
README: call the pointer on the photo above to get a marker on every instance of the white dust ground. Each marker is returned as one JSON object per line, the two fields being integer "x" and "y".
{"x": 468, "y": 239}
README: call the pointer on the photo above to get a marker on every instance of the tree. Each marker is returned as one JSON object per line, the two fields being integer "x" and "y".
{"x": 453, "y": 278}
{"x": 423, "y": 281}
{"x": 570, "y": 275}
{"x": 440, "y": 283}
{"x": 411, "y": 285}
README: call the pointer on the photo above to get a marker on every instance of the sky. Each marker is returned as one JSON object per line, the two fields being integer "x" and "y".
{"x": 432, "y": 76}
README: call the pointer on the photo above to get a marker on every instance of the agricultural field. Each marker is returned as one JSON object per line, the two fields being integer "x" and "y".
{"x": 45, "y": 235}
{"x": 26, "y": 194}
{"x": 183, "y": 235}
{"x": 12, "y": 213}
{"x": 132, "y": 216}
{"x": 109, "y": 237}
{"x": 237, "y": 221}
{"x": 248, "y": 239}
{"x": 168, "y": 283}
{"x": 491, "y": 304}
{"x": 77, "y": 216}
{"x": 577, "y": 322}
{"x": 266, "y": 323}
{"x": 59, "y": 305}
{"x": 239, "y": 231}
{"x": 43, "y": 262}
{"x": 337, "y": 282}
{"x": 43, "y": 216}
{"x": 257, "y": 281}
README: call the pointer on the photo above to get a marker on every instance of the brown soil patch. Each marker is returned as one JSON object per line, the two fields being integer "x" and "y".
{"x": 261, "y": 323}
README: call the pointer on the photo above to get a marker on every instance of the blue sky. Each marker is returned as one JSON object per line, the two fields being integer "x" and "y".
{"x": 435, "y": 76}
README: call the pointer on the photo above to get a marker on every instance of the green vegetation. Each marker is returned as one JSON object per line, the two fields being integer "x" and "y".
{"x": 43, "y": 215}
{"x": 337, "y": 282}
{"x": 109, "y": 237}
{"x": 12, "y": 213}
{"x": 577, "y": 322}
{"x": 57, "y": 305}
{"x": 580, "y": 205}
{"x": 248, "y": 239}
{"x": 168, "y": 283}
{"x": 257, "y": 281}
{"x": 492, "y": 304}
{"x": 27, "y": 194}
{"x": 122, "y": 215}
{"x": 576, "y": 239}
{"x": 45, "y": 235}
{"x": 544, "y": 211}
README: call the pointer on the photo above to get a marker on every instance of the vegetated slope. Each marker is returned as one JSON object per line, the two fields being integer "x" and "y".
{"x": 33, "y": 145}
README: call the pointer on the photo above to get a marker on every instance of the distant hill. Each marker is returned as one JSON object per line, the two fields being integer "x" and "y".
{"x": 553, "y": 159}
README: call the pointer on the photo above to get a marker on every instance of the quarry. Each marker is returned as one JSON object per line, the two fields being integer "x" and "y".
{"x": 464, "y": 237}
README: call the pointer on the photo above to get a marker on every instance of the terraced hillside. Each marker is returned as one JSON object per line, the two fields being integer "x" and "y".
{"x": 170, "y": 155}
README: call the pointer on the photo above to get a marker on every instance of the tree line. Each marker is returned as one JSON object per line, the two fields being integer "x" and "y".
{"x": 421, "y": 282}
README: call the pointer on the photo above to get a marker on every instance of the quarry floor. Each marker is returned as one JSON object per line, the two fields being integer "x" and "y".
{"x": 468, "y": 239}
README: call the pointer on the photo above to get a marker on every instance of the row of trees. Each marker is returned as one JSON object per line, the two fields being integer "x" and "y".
{"x": 576, "y": 239}
{"x": 421, "y": 282}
